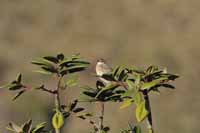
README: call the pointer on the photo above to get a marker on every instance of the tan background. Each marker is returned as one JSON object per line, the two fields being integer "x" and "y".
{"x": 132, "y": 32}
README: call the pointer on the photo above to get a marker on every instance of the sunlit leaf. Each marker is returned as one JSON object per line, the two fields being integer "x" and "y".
{"x": 149, "y": 85}
{"x": 43, "y": 72}
{"x": 126, "y": 103}
{"x": 38, "y": 128}
{"x": 72, "y": 81}
{"x": 141, "y": 112}
{"x": 19, "y": 78}
{"x": 137, "y": 98}
{"x": 58, "y": 120}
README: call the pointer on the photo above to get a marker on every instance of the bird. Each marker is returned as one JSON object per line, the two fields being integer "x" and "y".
{"x": 103, "y": 68}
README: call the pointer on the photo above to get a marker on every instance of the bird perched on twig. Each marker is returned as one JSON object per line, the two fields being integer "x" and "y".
{"x": 103, "y": 68}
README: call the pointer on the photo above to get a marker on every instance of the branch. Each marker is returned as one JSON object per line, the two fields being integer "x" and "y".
{"x": 101, "y": 117}
{"x": 57, "y": 99}
{"x": 149, "y": 117}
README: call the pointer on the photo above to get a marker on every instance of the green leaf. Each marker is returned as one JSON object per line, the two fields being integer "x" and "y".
{"x": 41, "y": 62}
{"x": 73, "y": 69}
{"x": 137, "y": 79}
{"x": 38, "y": 128}
{"x": 130, "y": 84}
{"x": 115, "y": 70}
{"x": 149, "y": 85}
{"x": 43, "y": 72}
{"x": 137, "y": 98}
{"x": 58, "y": 120}
{"x": 18, "y": 94}
{"x": 19, "y": 78}
{"x": 151, "y": 69}
{"x": 129, "y": 93}
{"x": 107, "y": 87}
{"x": 51, "y": 59}
{"x": 90, "y": 94}
{"x": 50, "y": 69}
{"x": 72, "y": 81}
{"x": 126, "y": 103}
{"x": 137, "y": 129}
{"x": 141, "y": 112}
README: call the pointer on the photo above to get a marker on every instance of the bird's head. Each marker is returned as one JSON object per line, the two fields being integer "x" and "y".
{"x": 101, "y": 60}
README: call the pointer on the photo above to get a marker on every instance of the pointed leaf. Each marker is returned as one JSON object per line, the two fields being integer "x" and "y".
{"x": 38, "y": 128}
{"x": 19, "y": 78}
{"x": 126, "y": 103}
{"x": 141, "y": 112}
{"x": 60, "y": 56}
{"x": 58, "y": 120}
{"x": 137, "y": 98}
{"x": 27, "y": 126}
{"x": 14, "y": 87}
{"x": 51, "y": 59}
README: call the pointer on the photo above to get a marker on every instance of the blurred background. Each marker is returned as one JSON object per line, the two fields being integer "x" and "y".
{"x": 132, "y": 32}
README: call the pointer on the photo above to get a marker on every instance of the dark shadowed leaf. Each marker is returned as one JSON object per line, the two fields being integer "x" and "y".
{"x": 73, "y": 104}
{"x": 49, "y": 69}
{"x": 15, "y": 87}
{"x": 51, "y": 59}
{"x": 76, "y": 110}
{"x": 27, "y": 126}
{"x": 60, "y": 57}
{"x": 88, "y": 93}
{"x": 137, "y": 129}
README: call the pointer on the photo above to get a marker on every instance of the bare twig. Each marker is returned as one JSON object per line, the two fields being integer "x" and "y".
{"x": 101, "y": 117}
{"x": 57, "y": 99}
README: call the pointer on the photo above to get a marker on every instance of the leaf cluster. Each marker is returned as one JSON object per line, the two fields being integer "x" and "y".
{"x": 61, "y": 65}
{"x": 27, "y": 127}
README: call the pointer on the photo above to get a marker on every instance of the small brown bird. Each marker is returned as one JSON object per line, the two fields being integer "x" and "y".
{"x": 101, "y": 69}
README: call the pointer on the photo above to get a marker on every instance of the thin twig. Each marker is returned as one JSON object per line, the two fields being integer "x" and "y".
{"x": 101, "y": 117}
{"x": 49, "y": 91}
{"x": 57, "y": 94}
{"x": 57, "y": 99}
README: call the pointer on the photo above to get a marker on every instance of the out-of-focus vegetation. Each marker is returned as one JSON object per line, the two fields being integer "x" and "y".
{"x": 133, "y": 32}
